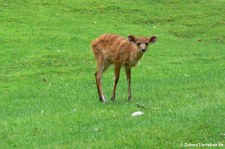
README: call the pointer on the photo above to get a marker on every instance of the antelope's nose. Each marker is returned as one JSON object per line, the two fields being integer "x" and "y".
{"x": 143, "y": 50}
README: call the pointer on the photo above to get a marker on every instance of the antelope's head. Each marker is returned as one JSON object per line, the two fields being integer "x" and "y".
{"x": 142, "y": 42}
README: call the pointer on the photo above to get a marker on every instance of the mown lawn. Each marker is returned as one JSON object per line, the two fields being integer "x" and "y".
{"x": 48, "y": 96}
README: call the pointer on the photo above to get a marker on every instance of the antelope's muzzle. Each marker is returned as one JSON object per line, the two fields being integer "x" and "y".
{"x": 143, "y": 50}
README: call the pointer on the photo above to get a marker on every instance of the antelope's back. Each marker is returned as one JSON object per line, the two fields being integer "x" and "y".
{"x": 110, "y": 42}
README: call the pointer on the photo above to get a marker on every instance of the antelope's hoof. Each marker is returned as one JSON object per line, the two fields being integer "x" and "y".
{"x": 130, "y": 98}
{"x": 102, "y": 99}
{"x": 113, "y": 98}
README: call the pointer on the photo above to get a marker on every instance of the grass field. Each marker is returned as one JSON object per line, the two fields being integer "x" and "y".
{"x": 48, "y": 96}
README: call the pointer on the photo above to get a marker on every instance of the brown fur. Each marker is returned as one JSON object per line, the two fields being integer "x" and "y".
{"x": 113, "y": 49}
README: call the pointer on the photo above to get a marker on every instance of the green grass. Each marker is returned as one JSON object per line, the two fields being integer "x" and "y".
{"x": 48, "y": 96}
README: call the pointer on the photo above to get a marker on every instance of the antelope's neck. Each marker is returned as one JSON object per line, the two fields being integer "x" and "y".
{"x": 135, "y": 56}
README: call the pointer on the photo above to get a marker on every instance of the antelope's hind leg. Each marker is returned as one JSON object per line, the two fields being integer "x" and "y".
{"x": 99, "y": 93}
{"x": 116, "y": 79}
{"x": 98, "y": 78}
{"x": 102, "y": 67}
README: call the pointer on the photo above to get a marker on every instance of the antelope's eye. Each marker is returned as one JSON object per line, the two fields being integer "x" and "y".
{"x": 146, "y": 44}
{"x": 138, "y": 43}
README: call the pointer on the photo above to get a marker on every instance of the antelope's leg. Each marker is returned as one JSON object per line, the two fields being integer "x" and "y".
{"x": 99, "y": 94}
{"x": 98, "y": 76}
{"x": 116, "y": 79}
{"x": 128, "y": 73}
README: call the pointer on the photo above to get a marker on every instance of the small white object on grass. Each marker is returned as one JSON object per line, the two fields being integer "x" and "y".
{"x": 138, "y": 113}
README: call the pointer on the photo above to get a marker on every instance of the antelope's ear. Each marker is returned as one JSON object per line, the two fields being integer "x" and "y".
{"x": 131, "y": 38}
{"x": 152, "y": 39}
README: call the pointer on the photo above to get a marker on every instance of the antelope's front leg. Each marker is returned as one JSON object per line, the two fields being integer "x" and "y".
{"x": 128, "y": 73}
